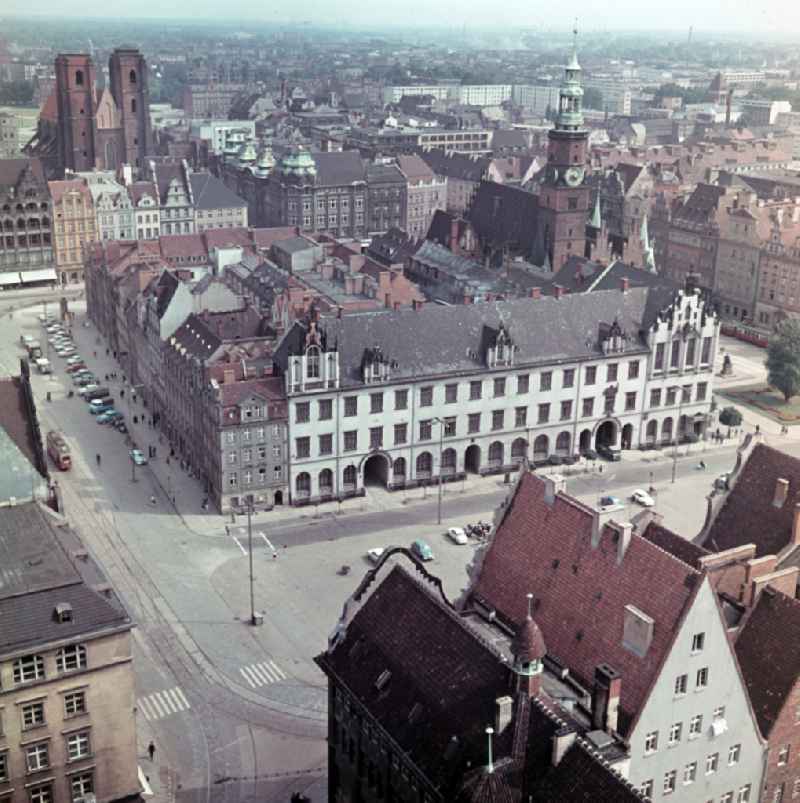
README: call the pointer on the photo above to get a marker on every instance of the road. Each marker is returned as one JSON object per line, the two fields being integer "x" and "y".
{"x": 238, "y": 713}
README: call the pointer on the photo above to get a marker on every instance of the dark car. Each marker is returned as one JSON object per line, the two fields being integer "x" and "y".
{"x": 555, "y": 459}
{"x": 97, "y": 393}
{"x": 589, "y": 454}
{"x": 612, "y": 453}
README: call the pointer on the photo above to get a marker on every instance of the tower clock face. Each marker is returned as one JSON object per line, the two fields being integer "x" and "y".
{"x": 573, "y": 176}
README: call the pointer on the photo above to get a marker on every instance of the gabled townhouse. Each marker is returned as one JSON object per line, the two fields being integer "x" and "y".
{"x": 175, "y": 196}
{"x": 610, "y": 601}
{"x": 404, "y": 398}
{"x": 144, "y": 197}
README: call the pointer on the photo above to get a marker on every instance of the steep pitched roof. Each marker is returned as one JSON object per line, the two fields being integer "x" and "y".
{"x": 748, "y": 515}
{"x": 12, "y": 170}
{"x": 503, "y": 214}
{"x": 580, "y": 275}
{"x": 768, "y": 649}
{"x": 673, "y": 543}
{"x": 456, "y": 165}
{"x": 414, "y": 167}
{"x": 339, "y": 168}
{"x": 581, "y": 590}
{"x": 211, "y": 193}
{"x": 58, "y": 189}
{"x": 15, "y": 417}
{"x": 701, "y": 204}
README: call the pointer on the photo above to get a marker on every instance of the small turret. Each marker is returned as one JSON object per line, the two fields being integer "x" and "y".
{"x": 529, "y": 651}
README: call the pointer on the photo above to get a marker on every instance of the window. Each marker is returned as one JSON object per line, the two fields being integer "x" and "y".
{"x": 546, "y": 380}
{"x": 42, "y": 794}
{"x": 669, "y": 781}
{"x": 691, "y": 344}
{"x": 783, "y": 756}
{"x": 695, "y": 726}
{"x": 400, "y": 434}
{"x": 566, "y": 410}
{"x": 303, "y": 447}
{"x": 37, "y": 757}
{"x": 630, "y": 401}
{"x": 705, "y": 354}
{"x": 376, "y": 402}
{"x": 401, "y": 400}
{"x": 675, "y": 733}
{"x": 325, "y": 410}
{"x": 733, "y": 754}
{"x": 450, "y": 394}
{"x": 28, "y": 668}
{"x": 690, "y": 772}
{"x": 326, "y": 444}
{"x": 312, "y": 363}
{"x": 32, "y": 715}
{"x": 591, "y": 374}
{"x": 475, "y": 390}
{"x": 523, "y": 383}
{"x": 646, "y": 789}
{"x": 351, "y": 440}
{"x": 744, "y": 794}
{"x": 672, "y": 395}
{"x": 498, "y": 417}
{"x": 350, "y": 406}
{"x": 81, "y": 785}
{"x": 659, "y": 361}
{"x": 680, "y": 684}
{"x": 686, "y": 394}
{"x": 68, "y": 659}
{"x": 499, "y": 386}
{"x": 702, "y": 389}
{"x": 474, "y": 423}
{"x": 520, "y": 416}
{"x": 449, "y": 427}
{"x": 376, "y": 437}
{"x": 726, "y": 798}
{"x": 712, "y": 762}
{"x": 795, "y": 788}
{"x": 4, "y": 774}
{"x": 675, "y": 354}
{"x": 78, "y": 746}
{"x": 425, "y": 430}
{"x": 655, "y": 398}
{"x": 702, "y": 678}
{"x": 777, "y": 795}
{"x": 426, "y": 397}
{"x": 544, "y": 413}
{"x": 74, "y": 703}
{"x": 698, "y": 642}
{"x": 633, "y": 369}
{"x": 651, "y": 743}
{"x": 569, "y": 377}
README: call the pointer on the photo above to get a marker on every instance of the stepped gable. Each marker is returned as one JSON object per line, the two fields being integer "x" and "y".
{"x": 581, "y": 590}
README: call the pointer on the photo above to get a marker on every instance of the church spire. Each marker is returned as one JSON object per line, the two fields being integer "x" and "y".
{"x": 570, "y": 95}
{"x": 596, "y": 221}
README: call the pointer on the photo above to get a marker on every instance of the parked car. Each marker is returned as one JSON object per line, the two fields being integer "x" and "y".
{"x": 86, "y": 390}
{"x": 75, "y": 367}
{"x": 97, "y": 409}
{"x": 422, "y": 550}
{"x": 612, "y": 453}
{"x": 97, "y": 393}
{"x": 108, "y": 416}
{"x": 589, "y": 454}
{"x": 375, "y": 554}
{"x": 641, "y": 497}
{"x": 608, "y": 503}
{"x": 82, "y": 379}
{"x": 137, "y": 455}
{"x": 76, "y": 358}
{"x": 722, "y": 482}
{"x": 457, "y": 535}
{"x": 101, "y": 400}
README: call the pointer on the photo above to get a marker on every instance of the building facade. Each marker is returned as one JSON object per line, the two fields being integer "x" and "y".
{"x": 426, "y": 192}
{"x": 471, "y": 393}
{"x": 113, "y": 206}
{"x": 74, "y": 227}
{"x": 387, "y": 198}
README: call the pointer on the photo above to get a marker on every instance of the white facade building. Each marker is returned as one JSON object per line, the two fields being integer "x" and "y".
{"x": 216, "y": 132}
{"x": 112, "y": 206}
{"x": 404, "y": 397}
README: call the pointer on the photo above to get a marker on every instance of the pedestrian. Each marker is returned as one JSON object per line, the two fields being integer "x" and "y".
{"x": 135, "y": 420}
{"x": 153, "y": 501}
{"x": 106, "y": 352}
{"x": 151, "y": 750}
{"x": 122, "y": 393}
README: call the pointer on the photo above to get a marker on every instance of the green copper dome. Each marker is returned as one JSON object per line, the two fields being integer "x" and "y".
{"x": 299, "y": 163}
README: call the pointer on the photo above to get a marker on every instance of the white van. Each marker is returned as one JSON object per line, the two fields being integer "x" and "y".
{"x": 44, "y": 366}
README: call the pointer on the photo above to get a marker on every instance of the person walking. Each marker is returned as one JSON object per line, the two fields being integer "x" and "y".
{"x": 151, "y": 750}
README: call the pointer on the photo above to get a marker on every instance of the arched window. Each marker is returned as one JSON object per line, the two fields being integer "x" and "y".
{"x": 312, "y": 362}
{"x": 496, "y": 454}
{"x": 424, "y": 464}
{"x": 303, "y": 484}
{"x": 652, "y": 431}
{"x": 325, "y": 482}
{"x": 449, "y": 461}
{"x": 562, "y": 443}
{"x": 519, "y": 449}
{"x": 399, "y": 467}
{"x": 79, "y": 78}
{"x": 133, "y": 105}
{"x": 132, "y": 76}
{"x": 350, "y": 475}
{"x": 21, "y": 223}
{"x": 541, "y": 448}
{"x": 666, "y": 430}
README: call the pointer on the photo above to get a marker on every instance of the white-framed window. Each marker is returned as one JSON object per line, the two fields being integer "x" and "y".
{"x": 783, "y": 756}
{"x": 744, "y": 794}
{"x": 719, "y": 712}
{"x": 71, "y": 658}
{"x": 81, "y": 785}
{"x": 32, "y": 714}
{"x": 41, "y": 794}
{"x": 646, "y": 789}
{"x": 681, "y": 683}
{"x": 712, "y": 762}
{"x": 675, "y": 733}
{"x": 690, "y": 772}
{"x": 4, "y": 772}
{"x": 734, "y": 752}
{"x": 670, "y": 779}
{"x": 233, "y": 480}
{"x": 28, "y": 668}
{"x": 651, "y": 743}
{"x": 698, "y": 642}
{"x": 78, "y": 746}
{"x": 727, "y": 798}
{"x": 695, "y": 726}
{"x": 702, "y": 678}
{"x": 37, "y": 757}
{"x": 74, "y": 703}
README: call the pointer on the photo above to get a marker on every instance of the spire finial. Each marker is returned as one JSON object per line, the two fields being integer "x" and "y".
{"x": 530, "y": 605}
{"x": 489, "y": 734}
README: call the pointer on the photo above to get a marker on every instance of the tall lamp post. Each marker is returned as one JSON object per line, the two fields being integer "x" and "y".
{"x": 440, "y": 422}
{"x": 254, "y": 619}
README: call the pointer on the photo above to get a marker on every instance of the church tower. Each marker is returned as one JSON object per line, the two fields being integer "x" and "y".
{"x": 76, "y": 103}
{"x": 564, "y": 194}
{"x": 127, "y": 70}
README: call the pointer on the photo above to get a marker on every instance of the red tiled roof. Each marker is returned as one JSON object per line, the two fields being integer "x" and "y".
{"x": 581, "y": 591}
{"x": 180, "y": 246}
{"x": 748, "y": 515}
{"x": 673, "y": 543}
{"x": 49, "y": 110}
{"x": 269, "y": 388}
{"x": 768, "y": 649}
{"x": 264, "y": 238}
{"x": 60, "y": 188}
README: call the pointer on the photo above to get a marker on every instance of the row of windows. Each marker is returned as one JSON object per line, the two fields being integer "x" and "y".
{"x": 33, "y": 714}
{"x": 29, "y": 668}
{"x": 255, "y": 434}
{"x": 260, "y": 453}
{"x": 690, "y": 357}
{"x": 259, "y": 476}
{"x": 670, "y": 397}
{"x": 689, "y": 777}
{"x": 37, "y": 756}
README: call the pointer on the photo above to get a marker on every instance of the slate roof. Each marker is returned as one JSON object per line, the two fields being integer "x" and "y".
{"x": 502, "y": 214}
{"x": 581, "y": 591}
{"x": 195, "y": 336}
{"x": 581, "y": 275}
{"x": 768, "y": 650}
{"x": 453, "y": 688}
{"x": 11, "y": 171}
{"x": 456, "y": 165}
{"x": 748, "y": 515}
{"x": 673, "y": 543}
{"x": 165, "y": 172}
{"x": 628, "y": 173}
{"x": 449, "y": 339}
{"x": 701, "y": 204}
{"x": 269, "y": 388}
{"x": 165, "y": 289}
{"x": 378, "y": 173}
{"x": 414, "y": 167}
{"x": 393, "y": 247}
{"x": 138, "y": 189}
{"x": 293, "y": 245}
{"x": 339, "y": 168}
{"x": 211, "y": 193}
{"x": 505, "y": 138}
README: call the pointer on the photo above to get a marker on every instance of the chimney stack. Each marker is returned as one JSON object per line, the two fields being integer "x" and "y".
{"x": 454, "y": 236}
{"x": 624, "y": 532}
{"x": 554, "y": 484}
{"x": 781, "y": 492}
{"x": 536, "y": 292}
{"x": 503, "y": 709}
{"x": 605, "y": 697}
{"x": 563, "y": 739}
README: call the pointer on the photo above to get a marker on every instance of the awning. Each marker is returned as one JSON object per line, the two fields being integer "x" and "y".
{"x": 47, "y": 275}
{"x": 6, "y": 278}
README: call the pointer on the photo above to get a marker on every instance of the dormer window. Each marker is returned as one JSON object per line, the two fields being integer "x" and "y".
{"x": 312, "y": 362}
{"x": 63, "y": 612}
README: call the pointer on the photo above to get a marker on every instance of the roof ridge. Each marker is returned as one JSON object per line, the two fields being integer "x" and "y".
{"x": 595, "y": 754}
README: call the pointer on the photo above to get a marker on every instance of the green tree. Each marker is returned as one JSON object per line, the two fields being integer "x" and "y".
{"x": 783, "y": 359}
{"x": 730, "y": 417}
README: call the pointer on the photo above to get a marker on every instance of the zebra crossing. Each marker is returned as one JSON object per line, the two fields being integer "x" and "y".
{"x": 162, "y": 704}
{"x": 262, "y": 674}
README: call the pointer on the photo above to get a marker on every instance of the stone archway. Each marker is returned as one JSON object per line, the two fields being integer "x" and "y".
{"x": 376, "y": 470}
{"x": 606, "y": 434}
{"x": 585, "y": 441}
{"x": 472, "y": 459}
{"x": 278, "y": 498}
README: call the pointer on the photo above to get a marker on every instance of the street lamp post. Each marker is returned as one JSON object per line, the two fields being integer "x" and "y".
{"x": 254, "y": 620}
{"x": 441, "y": 439}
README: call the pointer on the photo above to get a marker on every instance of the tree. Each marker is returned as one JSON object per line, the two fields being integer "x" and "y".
{"x": 730, "y": 417}
{"x": 783, "y": 359}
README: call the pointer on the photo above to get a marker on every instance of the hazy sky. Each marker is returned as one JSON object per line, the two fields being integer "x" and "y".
{"x": 780, "y": 17}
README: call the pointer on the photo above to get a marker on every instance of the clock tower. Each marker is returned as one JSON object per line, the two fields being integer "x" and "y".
{"x": 564, "y": 194}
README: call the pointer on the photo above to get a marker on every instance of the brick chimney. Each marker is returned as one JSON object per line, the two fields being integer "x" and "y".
{"x": 605, "y": 697}
{"x": 624, "y": 531}
{"x": 536, "y": 292}
{"x": 503, "y": 713}
{"x": 781, "y": 492}
{"x": 563, "y": 739}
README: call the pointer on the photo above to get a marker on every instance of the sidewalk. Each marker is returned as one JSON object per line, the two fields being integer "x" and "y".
{"x": 156, "y": 775}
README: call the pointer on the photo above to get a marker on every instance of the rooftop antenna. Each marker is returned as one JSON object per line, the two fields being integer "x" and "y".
{"x": 489, "y": 734}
